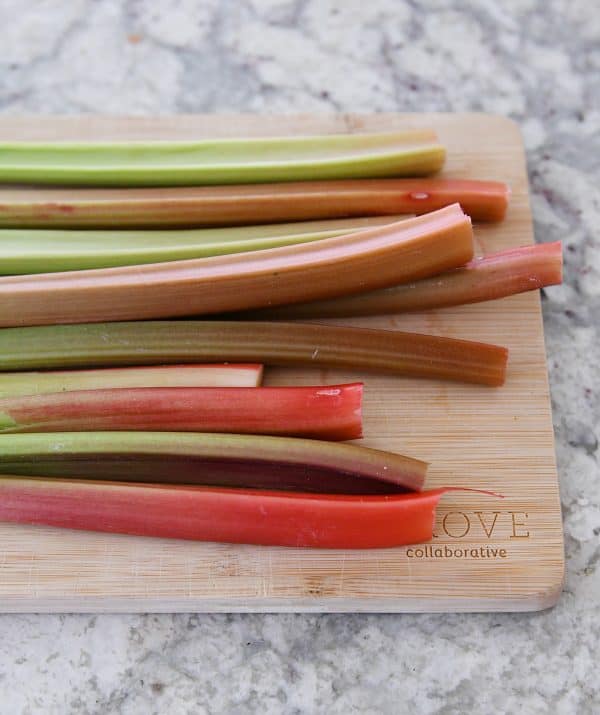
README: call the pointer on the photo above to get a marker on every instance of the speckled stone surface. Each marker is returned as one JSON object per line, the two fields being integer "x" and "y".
{"x": 537, "y": 61}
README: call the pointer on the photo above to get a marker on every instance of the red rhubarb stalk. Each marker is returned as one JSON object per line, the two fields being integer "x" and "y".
{"x": 224, "y": 515}
{"x": 323, "y": 412}
{"x": 498, "y": 275}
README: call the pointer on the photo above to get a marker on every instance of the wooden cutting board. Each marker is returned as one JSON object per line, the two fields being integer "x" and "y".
{"x": 487, "y": 554}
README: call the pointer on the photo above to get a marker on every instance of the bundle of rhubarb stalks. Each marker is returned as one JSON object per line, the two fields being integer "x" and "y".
{"x": 136, "y": 317}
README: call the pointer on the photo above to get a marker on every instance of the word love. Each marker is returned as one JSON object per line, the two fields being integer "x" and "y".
{"x": 483, "y": 524}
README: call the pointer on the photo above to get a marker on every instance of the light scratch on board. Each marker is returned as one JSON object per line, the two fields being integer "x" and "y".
{"x": 189, "y": 577}
{"x": 342, "y": 573}
{"x": 160, "y": 568}
{"x": 270, "y": 573}
{"x": 266, "y": 578}
{"x": 30, "y": 585}
{"x": 409, "y": 572}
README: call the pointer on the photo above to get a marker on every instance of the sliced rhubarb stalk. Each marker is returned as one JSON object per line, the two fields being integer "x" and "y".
{"x": 223, "y": 161}
{"x": 248, "y": 204}
{"x": 37, "y": 383}
{"x": 369, "y": 259}
{"x": 42, "y": 251}
{"x": 239, "y": 516}
{"x": 211, "y": 459}
{"x": 301, "y": 344}
{"x": 324, "y": 412}
{"x": 498, "y": 275}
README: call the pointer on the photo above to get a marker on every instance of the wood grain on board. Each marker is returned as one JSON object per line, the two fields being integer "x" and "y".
{"x": 488, "y": 554}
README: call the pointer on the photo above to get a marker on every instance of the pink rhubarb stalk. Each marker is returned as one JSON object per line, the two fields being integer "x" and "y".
{"x": 498, "y": 275}
{"x": 247, "y": 204}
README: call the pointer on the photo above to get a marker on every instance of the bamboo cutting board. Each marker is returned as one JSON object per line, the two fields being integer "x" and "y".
{"x": 487, "y": 554}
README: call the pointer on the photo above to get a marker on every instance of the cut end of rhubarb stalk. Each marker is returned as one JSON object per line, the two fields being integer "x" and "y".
{"x": 481, "y": 200}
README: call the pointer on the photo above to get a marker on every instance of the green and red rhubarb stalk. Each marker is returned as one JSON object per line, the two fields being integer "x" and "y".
{"x": 231, "y": 460}
{"x": 272, "y": 343}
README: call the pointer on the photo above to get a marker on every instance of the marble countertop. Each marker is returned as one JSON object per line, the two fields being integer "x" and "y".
{"x": 538, "y": 63}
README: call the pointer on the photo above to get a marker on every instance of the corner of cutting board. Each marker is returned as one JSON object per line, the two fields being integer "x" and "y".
{"x": 546, "y": 595}
{"x": 503, "y": 124}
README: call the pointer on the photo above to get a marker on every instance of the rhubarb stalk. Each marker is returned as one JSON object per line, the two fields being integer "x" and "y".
{"x": 498, "y": 275}
{"x": 37, "y": 383}
{"x": 247, "y": 204}
{"x": 301, "y": 344}
{"x": 239, "y": 516}
{"x": 324, "y": 412}
{"x": 25, "y": 251}
{"x": 366, "y": 260}
{"x": 222, "y": 161}
{"x": 231, "y": 460}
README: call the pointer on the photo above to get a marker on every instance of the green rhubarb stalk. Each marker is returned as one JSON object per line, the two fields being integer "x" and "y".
{"x": 13, "y": 384}
{"x": 24, "y": 251}
{"x": 222, "y": 161}
{"x": 211, "y": 459}
{"x": 306, "y": 345}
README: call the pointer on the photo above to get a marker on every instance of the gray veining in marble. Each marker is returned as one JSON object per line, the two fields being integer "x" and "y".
{"x": 537, "y": 61}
